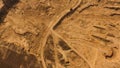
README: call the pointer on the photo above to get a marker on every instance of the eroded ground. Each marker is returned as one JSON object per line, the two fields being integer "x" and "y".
{"x": 59, "y": 33}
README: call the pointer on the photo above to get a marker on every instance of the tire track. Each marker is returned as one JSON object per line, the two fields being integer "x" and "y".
{"x": 54, "y": 23}
{"x": 72, "y": 48}
{"x": 51, "y": 26}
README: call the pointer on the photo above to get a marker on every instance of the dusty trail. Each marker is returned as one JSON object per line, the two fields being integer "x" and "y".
{"x": 51, "y": 26}
{"x": 58, "y": 20}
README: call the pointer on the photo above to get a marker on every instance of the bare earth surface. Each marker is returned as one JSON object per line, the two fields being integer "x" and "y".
{"x": 59, "y": 33}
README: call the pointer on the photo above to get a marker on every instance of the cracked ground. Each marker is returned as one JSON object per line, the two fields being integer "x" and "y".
{"x": 59, "y": 33}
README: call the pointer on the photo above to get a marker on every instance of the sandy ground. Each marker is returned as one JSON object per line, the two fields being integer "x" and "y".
{"x": 59, "y": 33}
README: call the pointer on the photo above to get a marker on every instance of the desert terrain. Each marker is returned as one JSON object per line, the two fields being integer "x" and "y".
{"x": 59, "y": 33}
